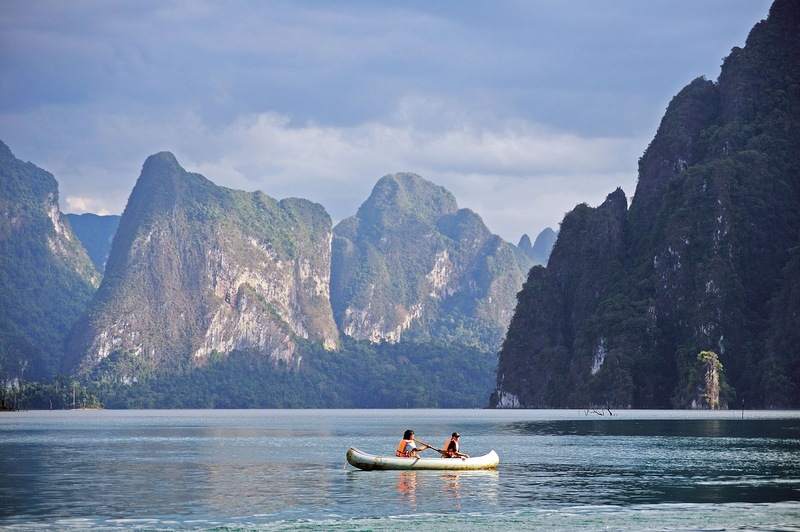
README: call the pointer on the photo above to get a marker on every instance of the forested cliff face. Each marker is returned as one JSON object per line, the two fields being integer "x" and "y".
{"x": 46, "y": 278}
{"x": 411, "y": 264}
{"x": 705, "y": 260}
{"x": 555, "y": 308}
{"x": 197, "y": 271}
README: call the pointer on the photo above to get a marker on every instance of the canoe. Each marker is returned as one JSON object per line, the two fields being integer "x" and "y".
{"x": 371, "y": 462}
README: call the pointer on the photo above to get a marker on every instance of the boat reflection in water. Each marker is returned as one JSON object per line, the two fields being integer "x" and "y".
{"x": 451, "y": 488}
{"x": 455, "y": 487}
{"x": 407, "y": 486}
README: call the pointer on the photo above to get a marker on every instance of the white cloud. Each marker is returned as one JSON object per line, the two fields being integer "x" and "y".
{"x": 522, "y": 110}
{"x": 519, "y": 176}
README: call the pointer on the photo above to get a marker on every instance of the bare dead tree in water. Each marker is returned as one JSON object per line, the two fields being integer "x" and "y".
{"x": 600, "y": 412}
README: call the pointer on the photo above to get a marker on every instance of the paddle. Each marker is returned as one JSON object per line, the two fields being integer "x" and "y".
{"x": 443, "y": 453}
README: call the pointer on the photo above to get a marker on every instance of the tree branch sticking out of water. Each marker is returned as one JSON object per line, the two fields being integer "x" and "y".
{"x": 600, "y": 412}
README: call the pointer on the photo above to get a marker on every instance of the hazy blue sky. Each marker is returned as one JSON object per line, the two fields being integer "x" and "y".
{"x": 522, "y": 109}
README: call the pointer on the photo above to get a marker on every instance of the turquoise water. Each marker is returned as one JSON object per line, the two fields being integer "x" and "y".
{"x": 286, "y": 470}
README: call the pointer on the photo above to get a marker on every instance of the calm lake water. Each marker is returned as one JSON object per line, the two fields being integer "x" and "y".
{"x": 286, "y": 470}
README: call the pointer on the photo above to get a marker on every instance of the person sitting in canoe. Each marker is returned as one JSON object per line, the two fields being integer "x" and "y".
{"x": 408, "y": 446}
{"x": 452, "y": 447}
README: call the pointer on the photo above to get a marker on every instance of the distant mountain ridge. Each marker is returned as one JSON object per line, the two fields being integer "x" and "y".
{"x": 704, "y": 261}
{"x": 539, "y": 251}
{"x": 96, "y": 234}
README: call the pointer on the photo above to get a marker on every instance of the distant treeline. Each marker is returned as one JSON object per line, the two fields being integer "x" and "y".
{"x": 359, "y": 375}
{"x": 61, "y": 393}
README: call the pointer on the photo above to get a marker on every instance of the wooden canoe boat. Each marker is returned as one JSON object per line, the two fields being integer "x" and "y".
{"x": 371, "y": 462}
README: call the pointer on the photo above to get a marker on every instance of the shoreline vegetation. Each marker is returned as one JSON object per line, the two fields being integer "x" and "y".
{"x": 361, "y": 375}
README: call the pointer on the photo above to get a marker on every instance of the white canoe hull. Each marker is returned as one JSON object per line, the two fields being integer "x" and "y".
{"x": 371, "y": 462}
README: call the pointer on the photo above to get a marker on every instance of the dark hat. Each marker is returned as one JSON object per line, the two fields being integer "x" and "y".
{"x": 456, "y": 435}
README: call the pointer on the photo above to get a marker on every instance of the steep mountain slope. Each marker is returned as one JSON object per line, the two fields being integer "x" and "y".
{"x": 550, "y": 336}
{"x": 197, "y": 271}
{"x": 46, "y": 278}
{"x": 411, "y": 264}
{"x": 96, "y": 234}
{"x": 708, "y": 259}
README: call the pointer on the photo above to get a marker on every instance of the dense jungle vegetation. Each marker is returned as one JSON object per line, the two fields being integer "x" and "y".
{"x": 360, "y": 375}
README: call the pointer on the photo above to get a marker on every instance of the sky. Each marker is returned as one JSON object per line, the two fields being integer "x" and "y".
{"x": 522, "y": 109}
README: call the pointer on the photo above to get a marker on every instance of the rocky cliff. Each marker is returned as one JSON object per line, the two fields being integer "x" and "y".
{"x": 46, "y": 278}
{"x": 552, "y": 341}
{"x": 704, "y": 261}
{"x": 411, "y": 264}
{"x": 197, "y": 271}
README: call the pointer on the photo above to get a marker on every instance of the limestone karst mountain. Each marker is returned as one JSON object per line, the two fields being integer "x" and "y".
{"x": 197, "y": 270}
{"x": 705, "y": 259}
{"x": 96, "y": 234}
{"x": 46, "y": 278}
{"x": 411, "y": 264}
{"x": 539, "y": 251}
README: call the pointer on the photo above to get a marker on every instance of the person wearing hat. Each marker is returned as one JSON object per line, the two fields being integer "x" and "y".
{"x": 452, "y": 447}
